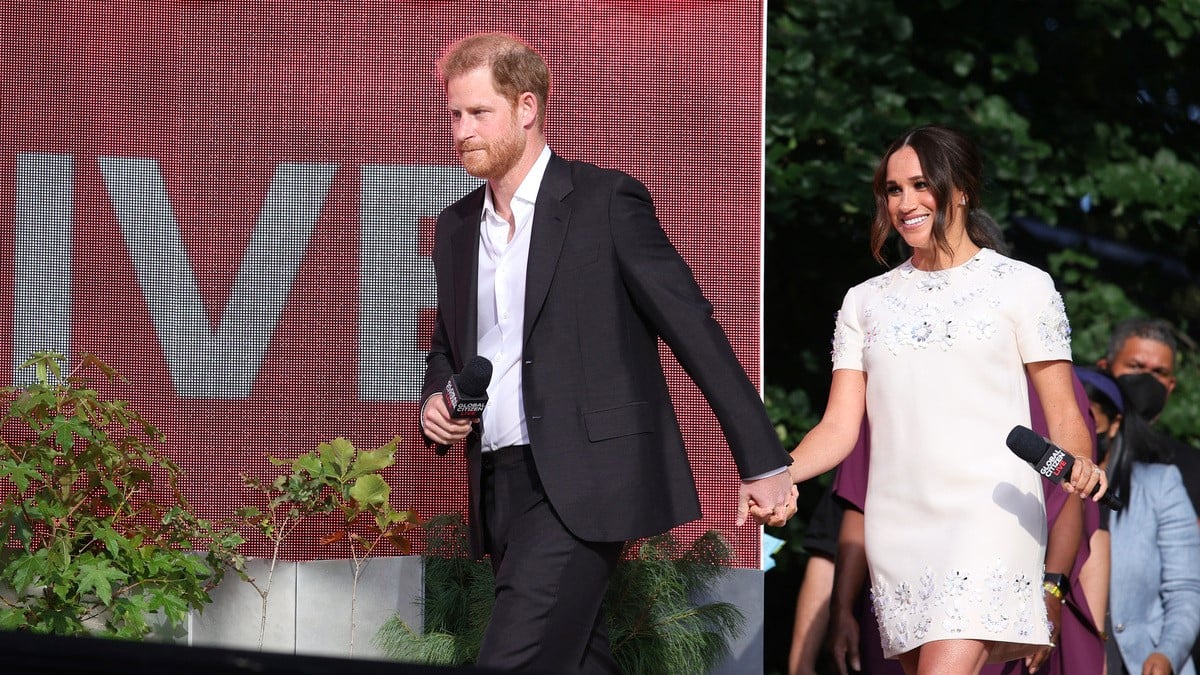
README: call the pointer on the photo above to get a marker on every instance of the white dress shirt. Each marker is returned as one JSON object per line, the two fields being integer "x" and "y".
{"x": 501, "y": 320}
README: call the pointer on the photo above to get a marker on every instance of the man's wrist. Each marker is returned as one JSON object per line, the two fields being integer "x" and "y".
{"x": 768, "y": 474}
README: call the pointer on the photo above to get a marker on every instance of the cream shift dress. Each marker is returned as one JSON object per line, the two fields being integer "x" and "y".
{"x": 955, "y": 522}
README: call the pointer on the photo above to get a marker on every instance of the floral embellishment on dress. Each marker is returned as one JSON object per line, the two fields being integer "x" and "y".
{"x": 995, "y": 601}
{"x": 995, "y": 618}
{"x": 927, "y": 588}
{"x": 957, "y": 582}
{"x": 935, "y": 281}
{"x": 1053, "y": 326}
{"x": 1030, "y": 601}
{"x": 839, "y": 338}
{"x": 881, "y": 282}
{"x": 965, "y": 298}
{"x": 981, "y": 327}
{"x": 870, "y": 337}
{"x": 927, "y": 325}
{"x": 1002, "y": 269}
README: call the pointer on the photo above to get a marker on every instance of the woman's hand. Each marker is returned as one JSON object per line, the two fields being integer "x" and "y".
{"x": 1087, "y": 479}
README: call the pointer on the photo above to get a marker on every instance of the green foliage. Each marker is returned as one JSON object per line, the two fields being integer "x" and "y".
{"x": 792, "y": 413}
{"x": 1106, "y": 305}
{"x": 654, "y": 624}
{"x": 96, "y": 535}
{"x": 335, "y": 478}
{"x": 459, "y": 592}
{"x": 1089, "y": 103}
{"x": 1094, "y": 305}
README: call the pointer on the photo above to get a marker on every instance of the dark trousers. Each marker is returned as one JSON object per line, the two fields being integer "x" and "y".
{"x": 549, "y": 584}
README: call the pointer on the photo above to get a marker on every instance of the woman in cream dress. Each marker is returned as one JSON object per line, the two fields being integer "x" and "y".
{"x": 936, "y": 353}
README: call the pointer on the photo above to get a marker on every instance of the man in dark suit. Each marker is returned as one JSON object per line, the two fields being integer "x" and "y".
{"x": 559, "y": 273}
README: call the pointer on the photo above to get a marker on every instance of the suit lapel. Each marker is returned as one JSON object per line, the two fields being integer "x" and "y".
{"x": 465, "y": 252}
{"x": 550, "y": 218}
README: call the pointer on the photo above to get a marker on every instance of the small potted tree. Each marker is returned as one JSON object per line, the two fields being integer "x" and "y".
{"x": 337, "y": 479}
{"x": 96, "y": 537}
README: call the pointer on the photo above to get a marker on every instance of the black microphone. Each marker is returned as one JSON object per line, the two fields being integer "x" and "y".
{"x": 1050, "y": 460}
{"x": 466, "y": 393}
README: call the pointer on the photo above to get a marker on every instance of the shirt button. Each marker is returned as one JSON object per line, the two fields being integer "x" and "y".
{"x": 1119, "y": 628}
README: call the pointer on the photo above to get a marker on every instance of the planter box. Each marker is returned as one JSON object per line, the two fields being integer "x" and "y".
{"x": 308, "y": 609}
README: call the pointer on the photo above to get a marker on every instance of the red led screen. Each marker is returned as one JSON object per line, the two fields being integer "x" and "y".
{"x": 230, "y": 203}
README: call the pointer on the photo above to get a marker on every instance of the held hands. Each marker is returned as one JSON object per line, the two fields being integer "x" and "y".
{"x": 439, "y": 427}
{"x": 770, "y": 501}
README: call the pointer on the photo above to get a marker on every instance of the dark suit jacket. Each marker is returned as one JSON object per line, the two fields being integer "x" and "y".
{"x": 603, "y": 283}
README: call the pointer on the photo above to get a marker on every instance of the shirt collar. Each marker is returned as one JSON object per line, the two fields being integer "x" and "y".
{"x": 527, "y": 191}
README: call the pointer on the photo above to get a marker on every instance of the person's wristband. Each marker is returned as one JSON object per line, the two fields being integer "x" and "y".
{"x": 1056, "y": 585}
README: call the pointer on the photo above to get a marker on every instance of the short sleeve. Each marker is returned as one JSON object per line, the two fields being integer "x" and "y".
{"x": 1043, "y": 332}
{"x": 848, "y": 335}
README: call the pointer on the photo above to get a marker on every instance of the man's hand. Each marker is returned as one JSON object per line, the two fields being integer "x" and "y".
{"x": 1157, "y": 664}
{"x": 771, "y": 500}
{"x": 437, "y": 424}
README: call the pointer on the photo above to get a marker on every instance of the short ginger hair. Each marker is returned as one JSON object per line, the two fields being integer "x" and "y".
{"x": 516, "y": 68}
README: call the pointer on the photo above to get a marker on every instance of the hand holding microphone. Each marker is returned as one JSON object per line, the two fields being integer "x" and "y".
{"x": 1050, "y": 461}
{"x": 463, "y": 399}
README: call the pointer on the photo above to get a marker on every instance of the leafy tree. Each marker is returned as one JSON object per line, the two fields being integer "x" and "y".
{"x": 335, "y": 478}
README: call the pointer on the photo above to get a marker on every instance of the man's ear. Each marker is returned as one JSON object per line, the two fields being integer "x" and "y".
{"x": 527, "y": 108}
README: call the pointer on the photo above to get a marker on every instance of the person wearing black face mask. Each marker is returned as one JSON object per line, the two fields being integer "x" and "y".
{"x": 1147, "y": 345}
{"x": 1153, "y": 589}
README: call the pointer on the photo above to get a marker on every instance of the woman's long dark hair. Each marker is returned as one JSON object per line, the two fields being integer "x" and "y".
{"x": 1135, "y": 440}
{"x": 949, "y": 160}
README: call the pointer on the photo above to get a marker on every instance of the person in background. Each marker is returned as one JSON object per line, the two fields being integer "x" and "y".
{"x": 1153, "y": 589}
{"x": 1148, "y": 345}
{"x": 812, "y": 599}
{"x": 560, "y": 274}
{"x": 937, "y": 353}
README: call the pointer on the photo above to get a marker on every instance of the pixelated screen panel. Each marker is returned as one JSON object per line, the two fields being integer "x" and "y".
{"x": 231, "y": 204}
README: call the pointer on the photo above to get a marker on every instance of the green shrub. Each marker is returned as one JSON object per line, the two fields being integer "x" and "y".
{"x": 96, "y": 535}
{"x": 654, "y": 625}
